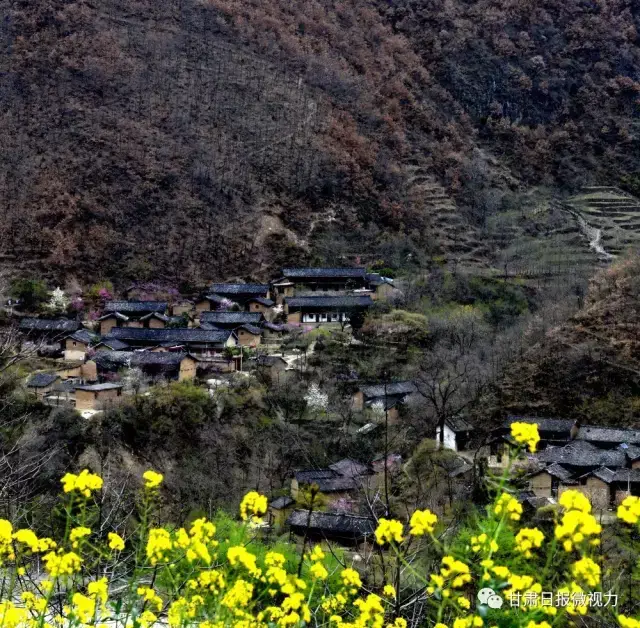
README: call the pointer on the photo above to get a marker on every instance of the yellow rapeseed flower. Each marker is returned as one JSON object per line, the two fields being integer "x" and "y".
{"x": 317, "y": 553}
{"x": 526, "y": 434}
{"x": 628, "y": 622}
{"x": 78, "y": 533}
{"x": 116, "y": 542}
{"x": 507, "y": 505}
{"x": 83, "y": 483}
{"x": 318, "y": 571}
{"x": 389, "y": 531}
{"x": 152, "y": 479}
{"x": 528, "y": 539}
{"x": 629, "y": 512}
{"x": 351, "y": 579}
{"x": 586, "y": 570}
{"x": 62, "y": 564}
{"x": 422, "y": 522}
{"x": 253, "y": 505}
{"x": 389, "y": 590}
{"x": 575, "y": 500}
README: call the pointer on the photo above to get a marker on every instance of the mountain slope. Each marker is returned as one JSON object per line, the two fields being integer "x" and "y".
{"x": 198, "y": 139}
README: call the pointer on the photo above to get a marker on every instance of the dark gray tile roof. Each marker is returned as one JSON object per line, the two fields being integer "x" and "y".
{"x": 113, "y": 343}
{"x": 178, "y": 336}
{"x": 135, "y": 307}
{"x": 582, "y": 454}
{"x": 544, "y": 424}
{"x": 458, "y": 424}
{"x": 345, "y": 301}
{"x": 392, "y": 388}
{"x": 558, "y": 471}
{"x": 216, "y": 298}
{"x": 631, "y": 476}
{"x": 309, "y": 476}
{"x": 41, "y": 380}
{"x": 281, "y": 502}
{"x": 119, "y": 315}
{"x": 113, "y": 360}
{"x": 330, "y": 273}
{"x": 273, "y": 326}
{"x": 262, "y": 300}
{"x": 259, "y": 289}
{"x": 595, "y": 434}
{"x": 231, "y": 318}
{"x": 159, "y": 315}
{"x": 84, "y": 335}
{"x": 47, "y": 324}
{"x": 99, "y": 387}
{"x": 375, "y": 279}
{"x": 350, "y": 468}
{"x": 602, "y": 473}
{"x": 632, "y": 451}
{"x": 342, "y": 524}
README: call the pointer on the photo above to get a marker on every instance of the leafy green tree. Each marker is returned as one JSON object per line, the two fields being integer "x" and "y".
{"x": 31, "y": 292}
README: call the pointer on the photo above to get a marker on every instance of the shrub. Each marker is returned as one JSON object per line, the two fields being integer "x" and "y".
{"x": 30, "y": 292}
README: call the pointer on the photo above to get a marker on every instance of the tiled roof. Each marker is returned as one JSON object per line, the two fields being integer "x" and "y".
{"x": 281, "y": 502}
{"x": 178, "y": 336}
{"x": 159, "y": 315}
{"x": 632, "y": 451}
{"x": 631, "y": 476}
{"x": 263, "y": 301}
{"x": 340, "y": 273}
{"x": 231, "y": 318}
{"x": 349, "y": 468}
{"x": 135, "y": 307}
{"x": 47, "y": 324}
{"x": 259, "y": 289}
{"x": 99, "y": 387}
{"x": 85, "y": 336}
{"x": 117, "y": 359}
{"x": 602, "y": 473}
{"x": 333, "y": 522}
{"x": 113, "y": 343}
{"x": 41, "y": 380}
{"x": 119, "y": 315}
{"x": 608, "y": 435}
{"x": 392, "y": 388}
{"x": 544, "y": 424}
{"x": 345, "y": 301}
{"x": 309, "y": 476}
{"x": 273, "y": 326}
{"x": 458, "y": 424}
{"x": 558, "y": 471}
{"x": 327, "y": 480}
{"x": 582, "y": 454}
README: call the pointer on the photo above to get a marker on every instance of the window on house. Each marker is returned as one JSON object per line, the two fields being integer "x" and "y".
{"x": 309, "y": 318}
{"x": 335, "y": 316}
{"x": 324, "y": 318}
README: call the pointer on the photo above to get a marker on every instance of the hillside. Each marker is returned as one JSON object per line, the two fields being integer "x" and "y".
{"x": 587, "y": 368}
{"x": 193, "y": 140}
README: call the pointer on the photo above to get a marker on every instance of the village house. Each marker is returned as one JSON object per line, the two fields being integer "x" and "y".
{"x": 178, "y": 366}
{"x": 383, "y": 397}
{"x": 97, "y": 396}
{"x": 249, "y": 336}
{"x": 319, "y": 310}
{"x": 212, "y": 302}
{"x": 279, "y": 510}
{"x": 130, "y": 314}
{"x": 77, "y": 344}
{"x": 295, "y": 280}
{"x": 262, "y": 305}
{"x": 111, "y": 344}
{"x": 273, "y": 366}
{"x": 340, "y": 527}
{"x": 273, "y": 333}
{"x": 457, "y": 432}
{"x": 182, "y": 307}
{"x": 229, "y": 320}
{"x": 239, "y": 293}
{"x": 195, "y": 341}
{"x": 381, "y": 287}
{"x": 329, "y": 483}
{"x": 46, "y": 330}
{"x": 41, "y": 384}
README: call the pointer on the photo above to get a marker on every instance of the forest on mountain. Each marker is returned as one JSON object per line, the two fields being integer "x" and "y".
{"x": 198, "y": 140}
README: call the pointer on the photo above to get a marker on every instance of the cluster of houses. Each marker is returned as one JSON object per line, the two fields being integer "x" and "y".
{"x": 601, "y": 462}
{"x": 186, "y": 338}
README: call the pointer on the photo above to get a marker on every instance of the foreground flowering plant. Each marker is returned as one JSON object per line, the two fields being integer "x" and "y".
{"x": 198, "y": 575}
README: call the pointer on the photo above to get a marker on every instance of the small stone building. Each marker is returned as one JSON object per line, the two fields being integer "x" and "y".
{"x": 261, "y": 305}
{"x": 77, "y": 344}
{"x": 42, "y": 384}
{"x": 249, "y": 335}
{"x": 97, "y": 396}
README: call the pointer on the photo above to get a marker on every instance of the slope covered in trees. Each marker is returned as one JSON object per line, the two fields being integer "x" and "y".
{"x": 204, "y": 139}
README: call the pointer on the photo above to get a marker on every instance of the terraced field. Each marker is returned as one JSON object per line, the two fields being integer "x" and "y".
{"x": 611, "y": 219}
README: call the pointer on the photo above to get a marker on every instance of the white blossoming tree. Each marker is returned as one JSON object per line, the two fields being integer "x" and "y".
{"x": 317, "y": 401}
{"x": 59, "y": 301}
